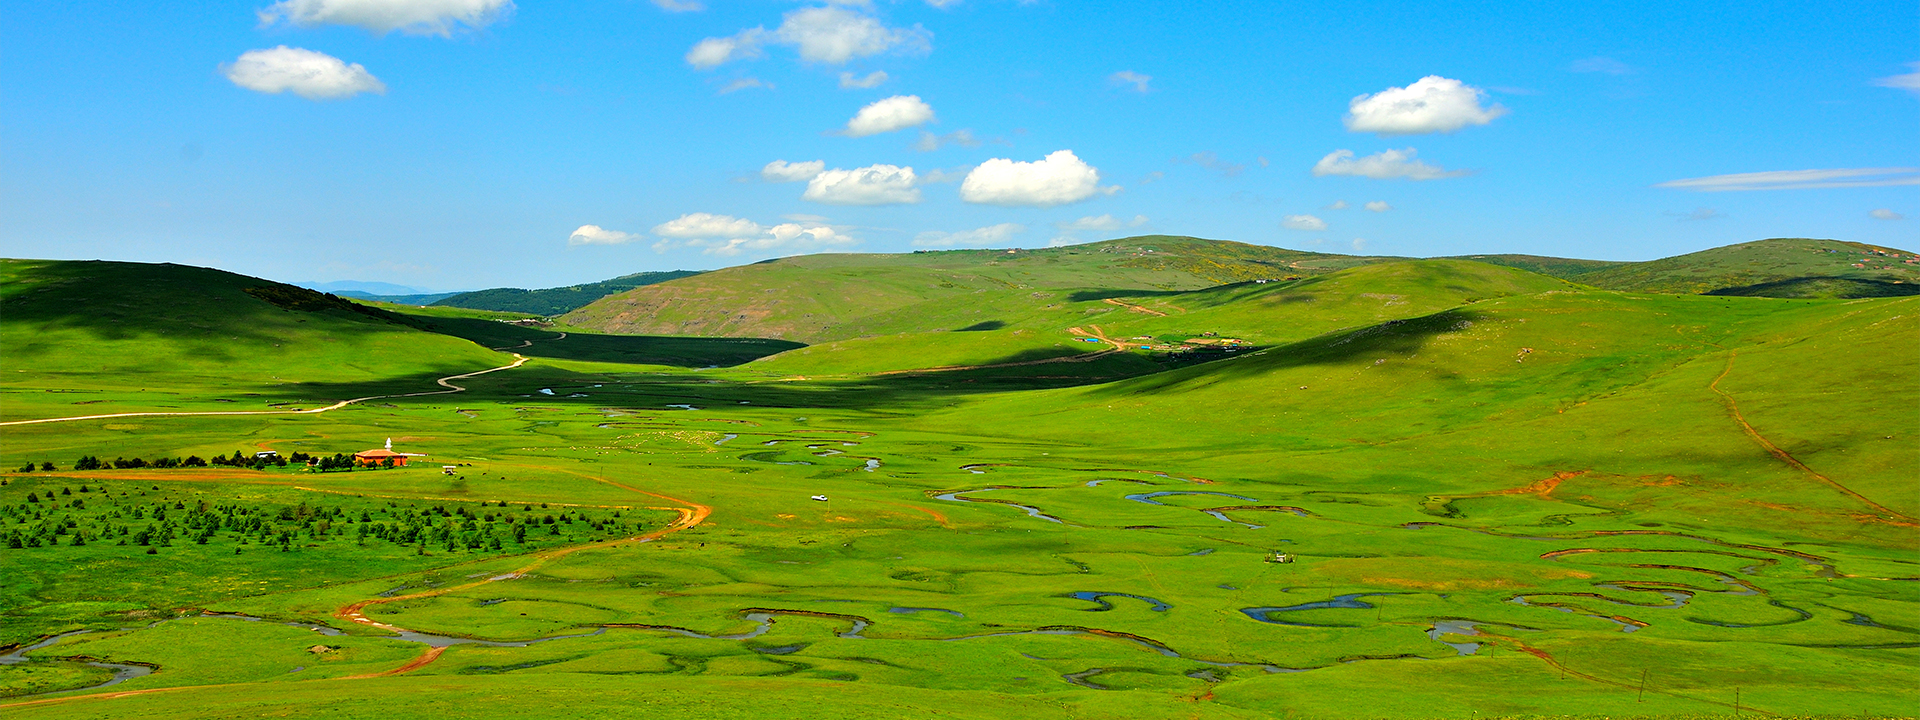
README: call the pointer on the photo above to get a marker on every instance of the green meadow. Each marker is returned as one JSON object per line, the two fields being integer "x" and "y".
{"x": 1212, "y": 480}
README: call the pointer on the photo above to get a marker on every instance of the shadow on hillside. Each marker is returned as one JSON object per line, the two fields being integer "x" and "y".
{"x": 910, "y": 392}
{"x": 639, "y": 389}
{"x": 213, "y": 312}
{"x": 690, "y": 352}
{"x": 1394, "y": 338}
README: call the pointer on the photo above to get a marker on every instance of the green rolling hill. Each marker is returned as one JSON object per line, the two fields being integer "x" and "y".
{"x": 1780, "y": 267}
{"x": 548, "y": 302}
{"x": 824, "y": 298}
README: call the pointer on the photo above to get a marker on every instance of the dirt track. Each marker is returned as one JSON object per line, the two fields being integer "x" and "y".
{"x": 517, "y": 362}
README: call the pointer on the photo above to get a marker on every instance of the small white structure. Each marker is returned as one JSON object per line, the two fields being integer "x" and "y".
{"x": 821, "y": 498}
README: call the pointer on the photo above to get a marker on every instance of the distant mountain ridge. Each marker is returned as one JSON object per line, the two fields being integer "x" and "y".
{"x": 552, "y": 301}
{"x": 828, "y": 298}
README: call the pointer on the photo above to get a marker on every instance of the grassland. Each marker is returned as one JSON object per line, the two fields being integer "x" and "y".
{"x": 1497, "y": 494}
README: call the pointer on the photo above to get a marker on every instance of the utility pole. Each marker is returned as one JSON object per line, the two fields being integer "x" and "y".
{"x": 1643, "y": 687}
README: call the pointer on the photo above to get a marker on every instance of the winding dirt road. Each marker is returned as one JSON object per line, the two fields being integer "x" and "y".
{"x": 1894, "y": 517}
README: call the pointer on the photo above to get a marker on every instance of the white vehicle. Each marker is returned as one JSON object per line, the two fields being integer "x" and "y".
{"x": 821, "y": 498}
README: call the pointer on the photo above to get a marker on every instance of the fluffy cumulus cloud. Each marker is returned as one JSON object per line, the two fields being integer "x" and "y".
{"x": 1433, "y": 104}
{"x": 1378, "y": 206}
{"x": 707, "y": 225}
{"x": 830, "y": 35}
{"x": 895, "y": 113}
{"x": 1909, "y": 82}
{"x": 727, "y": 235}
{"x": 596, "y": 235}
{"x": 1129, "y": 77}
{"x": 870, "y": 185}
{"x": 848, "y": 81}
{"x": 1057, "y": 179}
{"x": 1799, "y": 179}
{"x": 413, "y": 17}
{"x": 1885, "y": 214}
{"x": 783, "y": 171}
{"x": 311, "y": 75}
{"x": 1303, "y": 222}
{"x": 988, "y": 236}
{"x": 713, "y": 52}
{"x": 1383, "y": 165}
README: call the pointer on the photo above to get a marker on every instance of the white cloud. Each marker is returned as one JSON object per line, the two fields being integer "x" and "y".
{"x": 1338, "y": 205}
{"x": 413, "y": 17}
{"x": 873, "y": 79}
{"x": 930, "y": 142}
{"x": 1058, "y": 179}
{"x": 707, "y": 225}
{"x": 895, "y": 113}
{"x": 1381, "y": 166}
{"x": 1303, "y": 222}
{"x": 1604, "y": 65}
{"x": 596, "y": 235}
{"x": 1379, "y": 206}
{"x": 783, "y": 171}
{"x": 1213, "y": 162}
{"x": 1152, "y": 177}
{"x": 679, "y": 6}
{"x": 1102, "y": 223}
{"x": 1800, "y": 179}
{"x": 870, "y": 185}
{"x": 311, "y": 75}
{"x": 983, "y": 237}
{"x": 1909, "y": 82}
{"x": 1359, "y": 244}
{"x": 1433, "y": 104}
{"x": 833, "y": 35}
{"x": 727, "y": 235}
{"x": 715, "y": 51}
{"x": 1885, "y": 214}
{"x": 745, "y": 83}
{"x": 1129, "y": 77}
{"x": 943, "y": 4}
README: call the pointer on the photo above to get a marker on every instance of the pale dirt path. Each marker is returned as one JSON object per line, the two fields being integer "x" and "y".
{"x": 1135, "y": 308}
{"x": 1733, "y": 408}
{"x": 690, "y": 516}
{"x": 517, "y": 362}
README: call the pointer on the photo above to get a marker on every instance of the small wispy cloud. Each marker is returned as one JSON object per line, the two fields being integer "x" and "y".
{"x": 1885, "y": 214}
{"x": 1303, "y": 222}
{"x": 1799, "y": 179}
{"x": 745, "y": 83}
{"x": 1602, "y": 65}
{"x": 871, "y": 80}
{"x": 679, "y": 6}
{"x": 1909, "y": 82}
{"x": 1705, "y": 213}
{"x": 1129, "y": 77}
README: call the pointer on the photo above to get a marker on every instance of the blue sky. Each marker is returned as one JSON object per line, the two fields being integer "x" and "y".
{"x": 459, "y": 144}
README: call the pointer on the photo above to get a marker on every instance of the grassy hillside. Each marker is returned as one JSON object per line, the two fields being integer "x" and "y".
{"x": 823, "y": 298}
{"x": 1413, "y": 488}
{"x": 1174, "y": 327}
{"x": 156, "y": 337}
{"x": 1564, "y": 268}
{"x": 551, "y": 301}
{"x": 1781, "y": 267}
